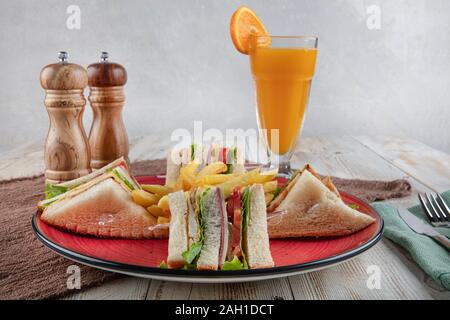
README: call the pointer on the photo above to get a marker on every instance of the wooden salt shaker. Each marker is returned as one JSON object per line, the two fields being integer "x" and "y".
{"x": 67, "y": 154}
{"x": 108, "y": 138}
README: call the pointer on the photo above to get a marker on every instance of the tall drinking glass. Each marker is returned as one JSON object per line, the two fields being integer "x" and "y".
{"x": 282, "y": 68}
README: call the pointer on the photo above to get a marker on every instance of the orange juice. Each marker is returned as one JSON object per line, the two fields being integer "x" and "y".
{"x": 283, "y": 79}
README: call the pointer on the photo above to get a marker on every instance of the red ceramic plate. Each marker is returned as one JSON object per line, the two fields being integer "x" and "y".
{"x": 142, "y": 258}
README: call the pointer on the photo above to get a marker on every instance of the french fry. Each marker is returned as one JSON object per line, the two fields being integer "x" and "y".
{"x": 239, "y": 181}
{"x": 156, "y": 189}
{"x": 214, "y": 179}
{"x": 153, "y": 219}
{"x": 178, "y": 185}
{"x": 164, "y": 203}
{"x": 144, "y": 198}
{"x": 158, "y": 211}
{"x": 163, "y": 220}
{"x": 213, "y": 168}
{"x": 270, "y": 186}
{"x": 269, "y": 197}
{"x": 187, "y": 175}
{"x": 246, "y": 179}
{"x": 266, "y": 176}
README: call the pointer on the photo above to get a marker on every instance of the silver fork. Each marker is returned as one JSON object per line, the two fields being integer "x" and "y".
{"x": 438, "y": 212}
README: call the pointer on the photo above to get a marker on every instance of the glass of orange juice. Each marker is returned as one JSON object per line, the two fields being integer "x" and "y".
{"x": 282, "y": 68}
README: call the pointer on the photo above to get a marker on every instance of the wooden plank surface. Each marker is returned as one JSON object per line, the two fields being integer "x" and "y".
{"x": 270, "y": 290}
{"x": 363, "y": 157}
{"x": 164, "y": 290}
{"x": 264, "y": 290}
{"x": 427, "y": 165}
{"x": 127, "y": 288}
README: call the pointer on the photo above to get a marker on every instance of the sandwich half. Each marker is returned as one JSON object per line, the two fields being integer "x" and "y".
{"x": 198, "y": 237}
{"x": 202, "y": 238}
{"x": 250, "y": 246}
{"x": 101, "y": 206}
{"x": 310, "y": 207}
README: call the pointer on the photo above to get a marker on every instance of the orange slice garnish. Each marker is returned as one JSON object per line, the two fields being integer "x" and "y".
{"x": 244, "y": 22}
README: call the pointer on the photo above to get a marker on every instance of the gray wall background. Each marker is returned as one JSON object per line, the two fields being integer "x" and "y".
{"x": 183, "y": 67}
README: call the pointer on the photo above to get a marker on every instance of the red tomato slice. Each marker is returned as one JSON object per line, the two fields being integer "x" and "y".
{"x": 224, "y": 155}
{"x": 237, "y": 213}
{"x": 230, "y": 209}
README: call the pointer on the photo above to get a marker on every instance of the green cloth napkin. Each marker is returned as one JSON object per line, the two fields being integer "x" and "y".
{"x": 429, "y": 255}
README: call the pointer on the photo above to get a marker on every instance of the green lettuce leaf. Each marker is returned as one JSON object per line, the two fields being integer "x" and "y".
{"x": 163, "y": 265}
{"x": 192, "y": 253}
{"x": 234, "y": 264}
{"x": 279, "y": 190}
{"x": 121, "y": 177}
{"x": 49, "y": 203}
{"x": 190, "y": 267}
{"x": 52, "y": 190}
{"x": 245, "y": 203}
{"x": 231, "y": 156}
{"x": 193, "y": 148}
{"x": 354, "y": 206}
{"x": 229, "y": 168}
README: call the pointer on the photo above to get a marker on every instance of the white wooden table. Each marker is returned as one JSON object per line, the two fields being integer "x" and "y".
{"x": 381, "y": 158}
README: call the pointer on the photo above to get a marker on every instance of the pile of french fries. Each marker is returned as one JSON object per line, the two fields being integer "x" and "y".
{"x": 155, "y": 197}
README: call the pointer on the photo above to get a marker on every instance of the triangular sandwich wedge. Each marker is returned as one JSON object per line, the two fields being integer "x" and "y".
{"x": 101, "y": 207}
{"x": 311, "y": 207}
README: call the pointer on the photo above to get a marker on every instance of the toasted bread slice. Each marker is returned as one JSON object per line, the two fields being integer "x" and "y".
{"x": 209, "y": 256}
{"x": 103, "y": 209}
{"x": 173, "y": 167}
{"x": 312, "y": 208}
{"x": 178, "y": 237}
{"x": 256, "y": 241}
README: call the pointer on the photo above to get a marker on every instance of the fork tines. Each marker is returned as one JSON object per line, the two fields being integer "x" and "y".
{"x": 438, "y": 212}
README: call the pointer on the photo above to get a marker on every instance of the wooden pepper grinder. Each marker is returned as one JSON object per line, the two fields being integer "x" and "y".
{"x": 108, "y": 138}
{"x": 67, "y": 154}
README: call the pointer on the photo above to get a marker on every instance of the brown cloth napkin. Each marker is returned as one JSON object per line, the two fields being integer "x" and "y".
{"x": 28, "y": 270}
{"x": 373, "y": 190}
